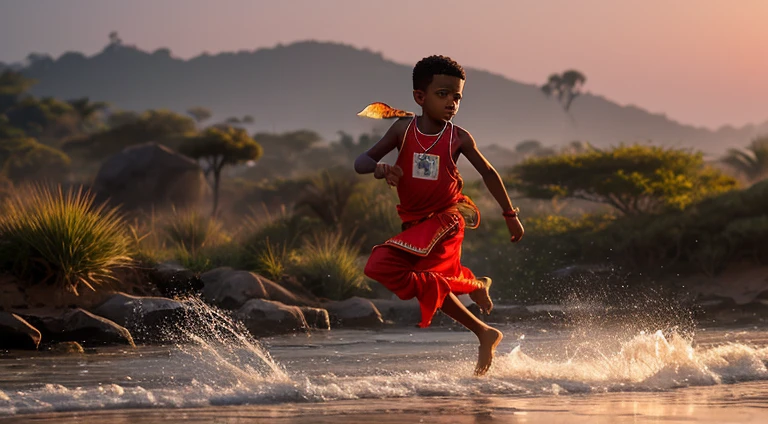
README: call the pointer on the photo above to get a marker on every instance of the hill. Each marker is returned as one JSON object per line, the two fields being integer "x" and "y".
{"x": 321, "y": 86}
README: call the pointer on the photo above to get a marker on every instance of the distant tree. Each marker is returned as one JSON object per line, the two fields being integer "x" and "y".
{"x": 12, "y": 86}
{"x": 349, "y": 149}
{"x": 284, "y": 154}
{"x": 114, "y": 39}
{"x": 87, "y": 112}
{"x": 219, "y": 147}
{"x": 530, "y": 148}
{"x": 122, "y": 117}
{"x": 752, "y": 162}
{"x": 577, "y": 147}
{"x": 287, "y": 145}
{"x": 565, "y": 87}
{"x": 633, "y": 179}
{"x": 34, "y": 116}
{"x": 232, "y": 120}
{"x": 159, "y": 126}
{"x": 24, "y": 159}
{"x": 248, "y": 119}
{"x": 39, "y": 60}
{"x": 199, "y": 113}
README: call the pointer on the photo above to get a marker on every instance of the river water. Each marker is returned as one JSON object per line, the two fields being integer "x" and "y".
{"x": 543, "y": 373}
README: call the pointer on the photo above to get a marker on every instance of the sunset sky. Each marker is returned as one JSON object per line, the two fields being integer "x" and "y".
{"x": 702, "y": 62}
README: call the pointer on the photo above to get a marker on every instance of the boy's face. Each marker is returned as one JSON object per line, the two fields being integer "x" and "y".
{"x": 441, "y": 99}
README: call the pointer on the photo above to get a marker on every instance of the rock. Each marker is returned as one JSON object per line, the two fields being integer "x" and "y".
{"x": 77, "y": 325}
{"x": 316, "y": 318}
{"x": 11, "y": 293}
{"x": 354, "y": 312}
{"x": 175, "y": 281}
{"x": 265, "y": 317}
{"x": 148, "y": 176}
{"x": 147, "y": 318}
{"x": 231, "y": 289}
{"x": 16, "y": 333}
{"x": 66, "y": 348}
{"x": 399, "y": 312}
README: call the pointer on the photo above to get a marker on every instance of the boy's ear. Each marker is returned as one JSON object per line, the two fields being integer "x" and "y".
{"x": 419, "y": 97}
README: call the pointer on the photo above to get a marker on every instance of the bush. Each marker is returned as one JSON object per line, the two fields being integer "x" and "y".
{"x": 371, "y": 214}
{"x": 61, "y": 238}
{"x": 328, "y": 266}
{"x": 194, "y": 231}
{"x": 283, "y": 231}
{"x": 274, "y": 260}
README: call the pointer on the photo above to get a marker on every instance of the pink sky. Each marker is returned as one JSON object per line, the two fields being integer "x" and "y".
{"x": 702, "y": 62}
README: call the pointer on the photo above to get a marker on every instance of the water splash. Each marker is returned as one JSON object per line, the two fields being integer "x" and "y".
{"x": 224, "y": 348}
{"x": 645, "y": 362}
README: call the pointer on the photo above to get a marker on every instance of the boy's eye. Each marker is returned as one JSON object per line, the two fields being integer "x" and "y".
{"x": 442, "y": 93}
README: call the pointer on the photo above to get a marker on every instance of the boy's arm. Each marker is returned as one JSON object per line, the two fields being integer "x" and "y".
{"x": 366, "y": 162}
{"x": 493, "y": 181}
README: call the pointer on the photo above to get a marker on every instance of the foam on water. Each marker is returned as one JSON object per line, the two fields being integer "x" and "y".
{"x": 225, "y": 366}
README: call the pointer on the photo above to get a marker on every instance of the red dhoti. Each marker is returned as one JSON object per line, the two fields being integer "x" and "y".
{"x": 424, "y": 261}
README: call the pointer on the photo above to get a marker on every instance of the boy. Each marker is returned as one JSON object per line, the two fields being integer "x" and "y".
{"x": 423, "y": 261}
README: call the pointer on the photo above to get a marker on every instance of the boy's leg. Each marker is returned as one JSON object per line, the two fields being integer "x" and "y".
{"x": 488, "y": 336}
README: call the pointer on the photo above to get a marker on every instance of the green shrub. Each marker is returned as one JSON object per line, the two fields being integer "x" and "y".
{"x": 194, "y": 231}
{"x": 328, "y": 266}
{"x": 265, "y": 231}
{"x": 274, "y": 260}
{"x": 61, "y": 238}
{"x": 371, "y": 214}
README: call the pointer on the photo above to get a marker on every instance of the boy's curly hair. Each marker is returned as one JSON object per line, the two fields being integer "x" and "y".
{"x": 430, "y": 66}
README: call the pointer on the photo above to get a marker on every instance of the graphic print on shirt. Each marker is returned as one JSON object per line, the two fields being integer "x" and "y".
{"x": 426, "y": 166}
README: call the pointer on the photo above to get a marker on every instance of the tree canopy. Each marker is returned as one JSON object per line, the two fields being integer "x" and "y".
{"x": 218, "y": 147}
{"x": 633, "y": 179}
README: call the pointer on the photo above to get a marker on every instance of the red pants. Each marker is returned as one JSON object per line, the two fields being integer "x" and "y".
{"x": 428, "y": 278}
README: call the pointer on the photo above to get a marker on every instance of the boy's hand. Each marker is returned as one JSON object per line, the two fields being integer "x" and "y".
{"x": 515, "y": 228}
{"x": 391, "y": 173}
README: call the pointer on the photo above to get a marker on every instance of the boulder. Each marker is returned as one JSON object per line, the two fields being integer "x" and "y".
{"x": 231, "y": 289}
{"x": 149, "y": 175}
{"x": 399, "y": 312}
{"x": 174, "y": 280}
{"x": 11, "y": 293}
{"x": 354, "y": 312}
{"x": 16, "y": 333}
{"x": 147, "y": 318}
{"x": 316, "y": 318}
{"x": 77, "y": 325}
{"x": 265, "y": 317}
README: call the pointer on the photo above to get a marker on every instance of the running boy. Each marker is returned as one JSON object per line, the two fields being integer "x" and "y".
{"x": 424, "y": 261}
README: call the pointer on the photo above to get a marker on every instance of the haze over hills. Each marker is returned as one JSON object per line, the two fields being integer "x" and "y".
{"x": 321, "y": 86}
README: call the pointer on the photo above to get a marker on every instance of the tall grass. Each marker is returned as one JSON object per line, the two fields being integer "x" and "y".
{"x": 274, "y": 260}
{"x": 47, "y": 235}
{"x": 193, "y": 231}
{"x": 328, "y": 266}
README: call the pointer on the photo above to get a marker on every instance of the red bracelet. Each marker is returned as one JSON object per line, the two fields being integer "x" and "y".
{"x": 512, "y": 213}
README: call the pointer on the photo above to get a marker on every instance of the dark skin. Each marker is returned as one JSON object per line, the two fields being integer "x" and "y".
{"x": 439, "y": 103}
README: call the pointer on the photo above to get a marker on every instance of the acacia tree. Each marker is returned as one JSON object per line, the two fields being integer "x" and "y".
{"x": 752, "y": 162}
{"x": 218, "y": 147}
{"x": 565, "y": 87}
{"x": 199, "y": 113}
{"x": 633, "y": 179}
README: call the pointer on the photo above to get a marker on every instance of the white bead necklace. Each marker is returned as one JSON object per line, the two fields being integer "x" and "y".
{"x": 416, "y": 136}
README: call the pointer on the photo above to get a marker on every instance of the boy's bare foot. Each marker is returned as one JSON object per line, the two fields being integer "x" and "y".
{"x": 489, "y": 339}
{"x": 481, "y": 297}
